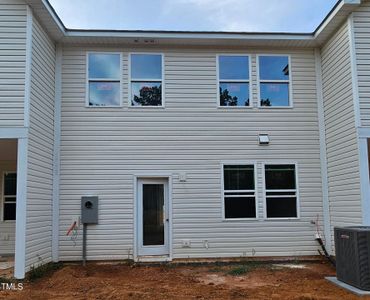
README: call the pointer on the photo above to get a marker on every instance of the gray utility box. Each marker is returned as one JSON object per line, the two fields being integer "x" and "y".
{"x": 89, "y": 210}
{"x": 352, "y": 249}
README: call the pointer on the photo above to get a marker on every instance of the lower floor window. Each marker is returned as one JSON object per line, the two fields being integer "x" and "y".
{"x": 239, "y": 191}
{"x": 9, "y": 196}
{"x": 281, "y": 191}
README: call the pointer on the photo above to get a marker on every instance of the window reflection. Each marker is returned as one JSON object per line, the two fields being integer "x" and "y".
{"x": 104, "y": 66}
{"x": 234, "y": 94}
{"x": 146, "y": 94}
{"x": 104, "y": 93}
{"x": 274, "y": 94}
{"x": 274, "y": 67}
{"x": 146, "y": 66}
{"x": 234, "y": 67}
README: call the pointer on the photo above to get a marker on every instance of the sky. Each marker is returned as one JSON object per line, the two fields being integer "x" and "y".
{"x": 194, "y": 15}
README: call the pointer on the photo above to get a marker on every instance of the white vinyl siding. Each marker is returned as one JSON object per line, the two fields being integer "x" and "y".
{"x": 101, "y": 150}
{"x": 40, "y": 149}
{"x": 361, "y": 20}
{"x": 13, "y": 23}
{"x": 341, "y": 137}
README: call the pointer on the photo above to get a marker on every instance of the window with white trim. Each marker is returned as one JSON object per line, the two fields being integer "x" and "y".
{"x": 104, "y": 79}
{"x": 146, "y": 80}
{"x": 239, "y": 191}
{"x": 281, "y": 191}
{"x": 234, "y": 86}
{"x": 9, "y": 196}
{"x": 274, "y": 81}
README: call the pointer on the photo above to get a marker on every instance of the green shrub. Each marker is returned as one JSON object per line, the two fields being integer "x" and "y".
{"x": 40, "y": 271}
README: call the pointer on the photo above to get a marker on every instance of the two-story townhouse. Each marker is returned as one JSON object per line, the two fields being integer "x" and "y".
{"x": 197, "y": 144}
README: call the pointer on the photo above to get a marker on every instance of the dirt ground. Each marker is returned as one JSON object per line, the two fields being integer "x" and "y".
{"x": 303, "y": 281}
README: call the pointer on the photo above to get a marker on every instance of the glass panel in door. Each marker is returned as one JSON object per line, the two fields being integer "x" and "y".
{"x": 153, "y": 214}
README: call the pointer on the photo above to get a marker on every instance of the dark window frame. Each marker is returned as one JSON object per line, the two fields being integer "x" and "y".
{"x": 239, "y": 193}
{"x": 4, "y": 197}
{"x": 281, "y": 193}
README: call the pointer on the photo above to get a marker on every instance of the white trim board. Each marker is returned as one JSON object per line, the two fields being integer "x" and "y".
{"x": 21, "y": 214}
{"x": 354, "y": 73}
{"x": 56, "y": 153}
{"x": 22, "y": 162}
{"x": 323, "y": 158}
{"x": 13, "y": 133}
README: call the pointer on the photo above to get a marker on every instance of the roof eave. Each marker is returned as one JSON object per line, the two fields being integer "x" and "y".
{"x": 60, "y": 33}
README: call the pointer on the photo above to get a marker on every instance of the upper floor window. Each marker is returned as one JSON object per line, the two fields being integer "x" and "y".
{"x": 146, "y": 80}
{"x": 9, "y": 196}
{"x": 281, "y": 191}
{"x": 233, "y": 74}
{"x": 274, "y": 81}
{"x": 239, "y": 191}
{"x": 104, "y": 79}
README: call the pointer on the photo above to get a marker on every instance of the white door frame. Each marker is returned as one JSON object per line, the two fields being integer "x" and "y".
{"x": 19, "y": 134}
{"x": 153, "y": 176}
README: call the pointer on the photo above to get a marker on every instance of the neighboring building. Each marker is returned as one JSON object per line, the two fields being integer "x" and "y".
{"x": 169, "y": 130}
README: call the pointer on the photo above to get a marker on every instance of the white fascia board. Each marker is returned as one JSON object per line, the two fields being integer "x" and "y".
{"x": 323, "y": 153}
{"x": 343, "y": 4}
{"x": 54, "y": 16}
{"x": 188, "y": 35}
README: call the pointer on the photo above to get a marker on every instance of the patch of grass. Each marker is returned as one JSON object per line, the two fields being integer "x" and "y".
{"x": 9, "y": 280}
{"x": 245, "y": 267}
{"x": 239, "y": 270}
{"x": 40, "y": 271}
{"x": 215, "y": 270}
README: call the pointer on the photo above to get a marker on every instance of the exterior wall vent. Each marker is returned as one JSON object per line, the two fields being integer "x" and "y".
{"x": 352, "y": 247}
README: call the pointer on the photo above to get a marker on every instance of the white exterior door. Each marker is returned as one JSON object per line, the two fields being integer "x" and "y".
{"x": 153, "y": 217}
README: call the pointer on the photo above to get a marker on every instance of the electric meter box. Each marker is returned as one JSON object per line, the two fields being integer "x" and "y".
{"x": 89, "y": 210}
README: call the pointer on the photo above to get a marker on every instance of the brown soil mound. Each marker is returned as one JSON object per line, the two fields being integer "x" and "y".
{"x": 106, "y": 282}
